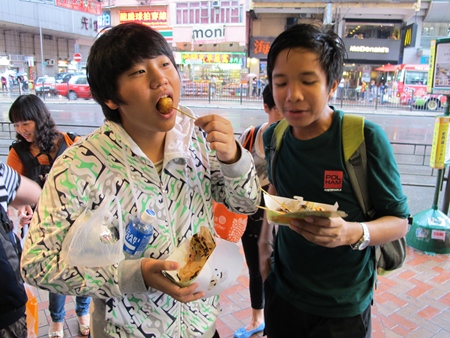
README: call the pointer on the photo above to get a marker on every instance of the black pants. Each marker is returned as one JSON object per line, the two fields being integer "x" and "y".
{"x": 250, "y": 244}
{"x": 285, "y": 320}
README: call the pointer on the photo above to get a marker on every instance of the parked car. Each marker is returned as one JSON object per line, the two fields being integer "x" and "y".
{"x": 65, "y": 77}
{"x": 45, "y": 85}
{"x": 77, "y": 87}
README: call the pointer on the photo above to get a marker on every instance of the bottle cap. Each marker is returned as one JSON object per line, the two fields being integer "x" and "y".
{"x": 148, "y": 216}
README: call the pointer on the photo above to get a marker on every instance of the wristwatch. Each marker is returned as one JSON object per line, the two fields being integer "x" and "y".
{"x": 364, "y": 241}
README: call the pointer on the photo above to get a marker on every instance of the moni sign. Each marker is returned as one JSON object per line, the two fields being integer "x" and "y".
{"x": 208, "y": 33}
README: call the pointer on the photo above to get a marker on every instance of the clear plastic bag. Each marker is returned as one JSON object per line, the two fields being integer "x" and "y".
{"x": 92, "y": 241}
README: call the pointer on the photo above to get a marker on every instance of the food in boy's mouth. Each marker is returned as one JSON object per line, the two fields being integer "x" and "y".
{"x": 201, "y": 247}
{"x": 164, "y": 105}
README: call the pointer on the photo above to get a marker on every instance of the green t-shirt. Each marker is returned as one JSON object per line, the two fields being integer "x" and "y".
{"x": 335, "y": 282}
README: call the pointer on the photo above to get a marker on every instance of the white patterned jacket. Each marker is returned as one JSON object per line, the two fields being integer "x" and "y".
{"x": 93, "y": 169}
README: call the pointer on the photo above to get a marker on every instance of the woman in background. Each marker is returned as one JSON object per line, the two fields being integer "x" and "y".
{"x": 38, "y": 143}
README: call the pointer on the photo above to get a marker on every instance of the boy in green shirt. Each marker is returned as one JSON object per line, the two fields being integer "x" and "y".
{"x": 321, "y": 281}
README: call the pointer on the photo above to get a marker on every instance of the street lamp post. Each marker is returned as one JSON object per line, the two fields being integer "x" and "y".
{"x": 40, "y": 40}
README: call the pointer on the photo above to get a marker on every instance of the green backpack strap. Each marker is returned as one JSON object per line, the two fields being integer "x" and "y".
{"x": 355, "y": 157}
{"x": 275, "y": 144}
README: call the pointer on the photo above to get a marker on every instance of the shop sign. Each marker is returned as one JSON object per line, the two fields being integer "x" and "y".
{"x": 104, "y": 20}
{"x": 409, "y": 35}
{"x": 4, "y": 61}
{"x": 63, "y": 63}
{"x": 153, "y": 18}
{"x": 259, "y": 46}
{"x": 368, "y": 49}
{"x": 202, "y": 58}
{"x": 87, "y": 6}
{"x": 157, "y": 19}
{"x": 208, "y": 33}
{"x": 384, "y": 50}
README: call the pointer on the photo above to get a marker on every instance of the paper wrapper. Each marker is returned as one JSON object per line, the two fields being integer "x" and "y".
{"x": 285, "y": 218}
{"x": 220, "y": 270}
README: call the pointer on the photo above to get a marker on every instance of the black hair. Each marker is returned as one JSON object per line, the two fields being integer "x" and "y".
{"x": 322, "y": 40}
{"x": 31, "y": 108}
{"x": 115, "y": 51}
{"x": 268, "y": 96}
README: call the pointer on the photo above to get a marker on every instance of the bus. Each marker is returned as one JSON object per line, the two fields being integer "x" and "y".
{"x": 411, "y": 86}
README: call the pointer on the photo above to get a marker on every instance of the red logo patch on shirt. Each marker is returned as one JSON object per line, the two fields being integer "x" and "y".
{"x": 333, "y": 180}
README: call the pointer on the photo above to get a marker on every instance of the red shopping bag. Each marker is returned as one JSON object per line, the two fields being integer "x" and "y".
{"x": 229, "y": 225}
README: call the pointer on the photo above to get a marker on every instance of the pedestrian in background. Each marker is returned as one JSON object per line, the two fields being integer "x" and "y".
{"x": 149, "y": 158}
{"x": 15, "y": 190}
{"x": 320, "y": 272}
{"x": 252, "y": 139}
{"x": 38, "y": 143}
{"x": 4, "y": 84}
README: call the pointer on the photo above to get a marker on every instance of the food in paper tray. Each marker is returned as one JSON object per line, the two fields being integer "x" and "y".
{"x": 282, "y": 210}
{"x": 201, "y": 247}
{"x": 192, "y": 255}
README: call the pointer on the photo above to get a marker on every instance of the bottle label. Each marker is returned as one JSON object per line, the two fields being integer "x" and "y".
{"x": 135, "y": 241}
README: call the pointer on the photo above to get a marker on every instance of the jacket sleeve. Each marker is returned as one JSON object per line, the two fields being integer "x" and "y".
{"x": 236, "y": 185}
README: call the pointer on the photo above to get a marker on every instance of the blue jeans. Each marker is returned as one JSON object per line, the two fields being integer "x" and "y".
{"x": 57, "y": 302}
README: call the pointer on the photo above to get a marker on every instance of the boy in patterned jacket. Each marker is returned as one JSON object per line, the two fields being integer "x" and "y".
{"x": 166, "y": 161}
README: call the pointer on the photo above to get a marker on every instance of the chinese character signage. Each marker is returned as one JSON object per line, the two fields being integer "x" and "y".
{"x": 204, "y": 58}
{"x": 45, "y": 2}
{"x": 153, "y": 18}
{"x": 87, "y": 6}
{"x": 259, "y": 46}
{"x": 439, "y": 151}
{"x": 156, "y": 19}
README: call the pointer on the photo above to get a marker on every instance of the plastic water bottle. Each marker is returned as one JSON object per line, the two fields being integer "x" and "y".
{"x": 137, "y": 234}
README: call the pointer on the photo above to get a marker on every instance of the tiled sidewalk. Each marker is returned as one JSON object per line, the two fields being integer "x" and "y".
{"x": 413, "y": 301}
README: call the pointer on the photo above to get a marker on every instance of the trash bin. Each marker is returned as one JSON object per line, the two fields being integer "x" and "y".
{"x": 430, "y": 232}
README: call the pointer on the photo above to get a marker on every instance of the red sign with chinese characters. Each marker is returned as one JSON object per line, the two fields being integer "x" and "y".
{"x": 153, "y": 18}
{"x": 259, "y": 46}
{"x": 87, "y": 6}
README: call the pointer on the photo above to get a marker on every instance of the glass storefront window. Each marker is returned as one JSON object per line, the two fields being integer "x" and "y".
{"x": 371, "y": 30}
{"x": 432, "y": 31}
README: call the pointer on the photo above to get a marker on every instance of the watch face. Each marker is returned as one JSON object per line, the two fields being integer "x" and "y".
{"x": 364, "y": 244}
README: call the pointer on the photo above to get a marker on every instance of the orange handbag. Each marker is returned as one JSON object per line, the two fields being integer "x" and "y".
{"x": 230, "y": 225}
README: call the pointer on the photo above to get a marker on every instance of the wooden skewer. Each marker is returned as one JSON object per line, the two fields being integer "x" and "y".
{"x": 183, "y": 112}
{"x": 264, "y": 208}
{"x": 282, "y": 205}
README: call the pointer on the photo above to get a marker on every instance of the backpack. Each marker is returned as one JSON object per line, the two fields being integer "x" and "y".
{"x": 34, "y": 170}
{"x": 14, "y": 298}
{"x": 388, "y": 256}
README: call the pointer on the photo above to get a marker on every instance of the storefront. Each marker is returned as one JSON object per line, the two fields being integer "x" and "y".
{"x": 198, "y": 70}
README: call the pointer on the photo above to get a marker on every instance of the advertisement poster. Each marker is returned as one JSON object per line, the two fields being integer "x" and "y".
{"x": 441, "y": 82}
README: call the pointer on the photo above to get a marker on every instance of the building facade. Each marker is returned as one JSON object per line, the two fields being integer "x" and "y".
{"x": 375, "y": 33}
{"x": 41, "y": 37}
{"x": 226, "y": 41}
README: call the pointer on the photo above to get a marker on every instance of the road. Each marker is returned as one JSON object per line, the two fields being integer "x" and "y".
{"x": 400, "y": 126}
{"x": 408, "y": 128}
